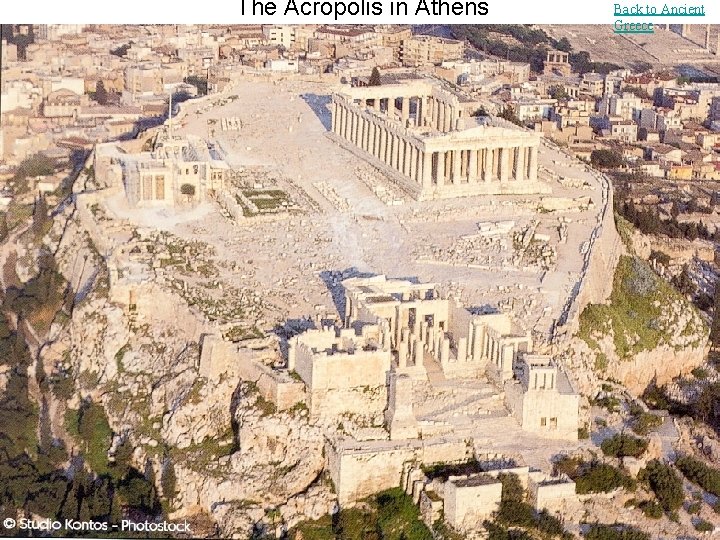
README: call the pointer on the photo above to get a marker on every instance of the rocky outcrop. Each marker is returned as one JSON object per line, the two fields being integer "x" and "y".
{"x": 646, "y": 332}
{"x": 278, "y": 464}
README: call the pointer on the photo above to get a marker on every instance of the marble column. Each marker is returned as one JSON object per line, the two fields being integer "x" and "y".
{"x": 473, "y": 167}
{"x": 426, "y": 169}
{"x": 520, "y": 164}
{"x": 399, "y": 156}
{"x": 440, "y": 168}
{"x": 441, "y": 116}
{"x": 383, "y": 144}
{"x": 334, "y": 117}
{"x": 402, "y": 354}
{"x": 456, "y": 166}
{"x": 478, "y": 335}
{"x": 533, "y": 171}
{"x": 396, "y": 151}
{"x": 378, "y": 148}
{"x": 488, "y": 165}
{"x": 340, "y": 123}
{"x": 413, "y": 165}
{"x": 449, "y": 118}
{"x": 445, "y": 351}
{"x": 371, "y": 138}
{"x": 504, "y": 159}
{"x": 348, "y": 124}
{"x": 362, "y": 132}
{"x": 366, "y": 135}
{"x": 419, "y": 353}
{"x": 406, "y": 158}
{"x": 422, "y": 111}
{"x": 405, "y": 110}
{"x": 357, "y": 124}
{"x": 462, "y": 350}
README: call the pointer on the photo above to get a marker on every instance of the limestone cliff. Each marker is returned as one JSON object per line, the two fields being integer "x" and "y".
{"x": 646, "y": 331}
{"x": 134, "y": 348}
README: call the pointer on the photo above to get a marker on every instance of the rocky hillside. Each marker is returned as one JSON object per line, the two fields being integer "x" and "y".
{"x": 119, "y": 388}
{"x": 645, "y": 332}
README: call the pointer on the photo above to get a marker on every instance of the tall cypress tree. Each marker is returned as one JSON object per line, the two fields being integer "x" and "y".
{"x": 375, "y": 78}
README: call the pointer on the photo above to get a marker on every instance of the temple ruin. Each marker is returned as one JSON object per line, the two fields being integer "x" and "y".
{"x": 176, "y": 170}
{"x": 396, "y": 331}
{"x": 422, "y": 136}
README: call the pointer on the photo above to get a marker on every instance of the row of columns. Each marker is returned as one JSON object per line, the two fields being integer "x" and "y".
{"x": 397, "y": 151}
{"x": 427, "y": 168}
{"x": 428, "y": 111}
{"x": 485, "y": 165}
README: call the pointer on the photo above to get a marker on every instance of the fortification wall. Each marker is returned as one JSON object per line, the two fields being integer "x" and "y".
{"x": 465, "y": 506}
{"x": 218, "y": 357}
{"x": 344, "y": 370}
{"x": 599, "y": 262}
{"x": 359, "y": 472}
{"x": 550, "y": 496}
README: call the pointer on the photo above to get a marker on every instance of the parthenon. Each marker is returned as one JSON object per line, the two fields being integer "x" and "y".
{"x": 422, "y": 137}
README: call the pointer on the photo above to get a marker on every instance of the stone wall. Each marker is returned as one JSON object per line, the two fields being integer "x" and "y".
{"x": 367, "y": 402}
{"x": 599, "y": 262}
{"x": 549, "y": 493}
{"x": 219, "y": 357}
{"x": 530, "y": 407}
{"x": 358, "y": 472}
{"x": 468, "y": 502}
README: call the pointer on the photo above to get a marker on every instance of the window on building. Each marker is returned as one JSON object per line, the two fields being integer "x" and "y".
{"x": 543, "y": 422}
{"x": 553, "y": 422}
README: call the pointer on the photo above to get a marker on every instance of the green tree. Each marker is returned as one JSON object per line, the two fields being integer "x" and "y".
{"x": 101, "y": 95}
{"x": 707, "y": 402}
{"x": 563, "y": 45}
{"x": 41, "y": 220}
{"x": 3, "y": 226}
{"x": 201, "y": 83}
{"x": 95, "y": 432}
{"x": 121, "y": 51}
{"x": 512, "y": 489}
{"x": 168, "y": 480}
{"x": 557, "y": 91}
{"x": 715, "y": 325}
{"x": 509, "y": 114}
{"x": 187, "y": 190}
{"x": 698, "y": 472}
{"x": 606, "y": 159}
{"x": 665, "y": 483}
{"x": 622, "y": 445}
{"x": 375, "y": 77}
{"x": 615, "y": 532}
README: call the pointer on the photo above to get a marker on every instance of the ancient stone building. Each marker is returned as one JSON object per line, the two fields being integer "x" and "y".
{"x": 422, "y": 136}
{"x": 177, "y": 170}
{"x": 558, "y": 62}
{"x": 421, "y": 327}
{"x": 542, "y": 398}
{"x": 397, "y": 332}
{"x": 336, "y": 365}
